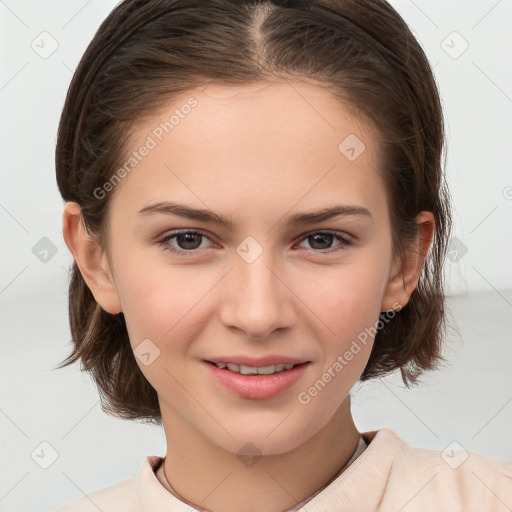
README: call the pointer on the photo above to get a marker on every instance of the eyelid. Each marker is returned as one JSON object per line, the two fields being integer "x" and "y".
{"x": 334, "y": 232}
{"x": 345, "y": 240}
{"x": 172, "y": 234}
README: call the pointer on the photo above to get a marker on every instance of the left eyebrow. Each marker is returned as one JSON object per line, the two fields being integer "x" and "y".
{"x": 187, "y": 212}
{"x": 328, "y": 213}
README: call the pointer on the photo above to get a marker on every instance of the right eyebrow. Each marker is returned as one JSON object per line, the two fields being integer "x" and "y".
{"x": 187, "y": 212}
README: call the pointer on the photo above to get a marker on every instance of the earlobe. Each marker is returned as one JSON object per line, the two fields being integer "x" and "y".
{"x": 404, "y": 279}
{"x": 90, "y": 258}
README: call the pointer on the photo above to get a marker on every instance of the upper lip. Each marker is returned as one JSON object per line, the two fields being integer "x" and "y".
{"x": 257, "y": 362}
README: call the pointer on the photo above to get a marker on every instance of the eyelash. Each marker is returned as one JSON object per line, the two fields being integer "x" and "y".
{"x": 164, "y": 242}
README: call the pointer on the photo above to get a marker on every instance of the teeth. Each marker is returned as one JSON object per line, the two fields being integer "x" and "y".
{"x": 248, "y": 370}
{"x": 267, "y": 370}
{"x": 251, "y": 370}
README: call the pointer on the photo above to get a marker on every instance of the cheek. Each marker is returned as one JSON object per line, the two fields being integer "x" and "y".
{"x": 347, "y": 303}
{"x": 347, "y": 300}
{"x": 159, "y": 305}
{"x": 166, "y": 308}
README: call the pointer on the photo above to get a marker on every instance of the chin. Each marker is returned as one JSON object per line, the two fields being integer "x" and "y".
{"x": 275, "y": 437}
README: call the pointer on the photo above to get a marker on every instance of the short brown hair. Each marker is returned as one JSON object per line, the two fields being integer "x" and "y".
{"x": 147, "y": 52}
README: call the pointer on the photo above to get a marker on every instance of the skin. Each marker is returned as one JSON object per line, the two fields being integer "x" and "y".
{"x": 256, "y": 154}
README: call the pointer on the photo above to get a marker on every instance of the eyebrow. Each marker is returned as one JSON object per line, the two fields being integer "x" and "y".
{"x": 181, "y": 210}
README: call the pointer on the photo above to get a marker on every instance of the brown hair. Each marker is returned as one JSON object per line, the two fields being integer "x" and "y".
{"x": 147, "y": 52}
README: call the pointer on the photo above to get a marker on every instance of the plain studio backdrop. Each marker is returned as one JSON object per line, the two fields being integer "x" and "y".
{"x": 56, "y": 442}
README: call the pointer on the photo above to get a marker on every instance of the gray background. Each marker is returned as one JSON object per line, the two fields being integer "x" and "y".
{"x": 468, "y": 402}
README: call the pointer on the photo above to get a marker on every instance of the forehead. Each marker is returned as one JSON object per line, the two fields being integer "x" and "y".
{"x": 260, "y": 144}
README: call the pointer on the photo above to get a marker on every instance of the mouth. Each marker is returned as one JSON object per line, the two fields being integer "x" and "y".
{"x": 256, "y": 370}
{"x": 262, "y": 381}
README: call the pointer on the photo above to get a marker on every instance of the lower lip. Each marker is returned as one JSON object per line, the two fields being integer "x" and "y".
{"x": 256, "y": 387}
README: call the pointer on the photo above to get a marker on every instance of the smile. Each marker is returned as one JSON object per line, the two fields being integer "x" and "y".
{"x": 256, "y": 382}
{"x": 252, "y": 370}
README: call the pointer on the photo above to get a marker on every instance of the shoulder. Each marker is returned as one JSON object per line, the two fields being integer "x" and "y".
{"x": 120, "y": 496}
{"x": 143, "y": 492}
{"x": 123, "y": 496}
{"x": 463, "y": 479}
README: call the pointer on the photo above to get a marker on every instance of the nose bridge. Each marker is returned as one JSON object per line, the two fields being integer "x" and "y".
{"x": 258, "y": 278}
{"x": 257, "y": 300}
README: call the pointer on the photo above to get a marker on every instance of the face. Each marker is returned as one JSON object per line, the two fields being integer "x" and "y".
{"x": 269, "y": 285}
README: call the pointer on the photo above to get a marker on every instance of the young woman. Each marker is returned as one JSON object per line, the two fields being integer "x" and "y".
{"x": 255, "y": 204}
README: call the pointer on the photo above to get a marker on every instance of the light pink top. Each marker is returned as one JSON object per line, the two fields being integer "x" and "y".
{"x": 388, "y": 476}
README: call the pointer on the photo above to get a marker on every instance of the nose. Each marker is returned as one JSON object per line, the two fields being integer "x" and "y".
{"x": 257, "y": 300}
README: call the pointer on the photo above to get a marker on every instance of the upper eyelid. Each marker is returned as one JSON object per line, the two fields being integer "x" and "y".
{"x": 299, "y": 238}
{"x": 176, "y": 232}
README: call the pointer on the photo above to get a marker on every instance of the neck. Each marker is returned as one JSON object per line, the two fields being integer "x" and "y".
{"x": 211, "y": 478}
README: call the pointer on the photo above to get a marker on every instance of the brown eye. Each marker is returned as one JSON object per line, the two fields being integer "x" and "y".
{"x": 323, "y": 241}
{"x": 188, "y": 241}
{"x": 185, "y": 242}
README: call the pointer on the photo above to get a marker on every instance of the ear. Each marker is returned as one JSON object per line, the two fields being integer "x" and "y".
{"x": 90, "y": 258}
{"x": 405, "y": 275}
